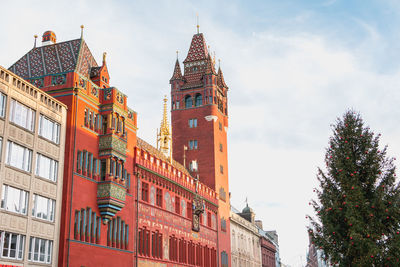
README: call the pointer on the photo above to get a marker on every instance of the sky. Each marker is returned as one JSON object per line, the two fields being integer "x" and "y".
{"x": 292, "y": 68}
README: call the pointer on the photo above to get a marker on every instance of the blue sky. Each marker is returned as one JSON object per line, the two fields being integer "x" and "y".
{"x": 292, "y": 68}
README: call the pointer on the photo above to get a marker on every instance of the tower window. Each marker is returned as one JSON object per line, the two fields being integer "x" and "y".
{"x": 188, "y": 101}
{"x": 221, "y": 169}
{"x": 159, "y": 197}
{"x": 199, "y": 100}
{"x": 220, "y": 126}
{"x": 221, "y": 148}
{"x": 192, "y": 144}
{"x": 193, "y": 123}
{"x": 145, "y": 192}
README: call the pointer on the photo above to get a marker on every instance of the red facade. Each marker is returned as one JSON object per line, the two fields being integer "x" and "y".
{"x": 125, "y": 202}
{"x": 199, "y": 129}
{"x": 268, "y": 251}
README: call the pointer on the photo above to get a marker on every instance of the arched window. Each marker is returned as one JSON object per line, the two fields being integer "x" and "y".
{"x": 188, "y": 101}
{"x": 199, "y": 100}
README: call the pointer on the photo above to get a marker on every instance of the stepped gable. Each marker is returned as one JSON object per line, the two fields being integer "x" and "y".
{"x": 56, "y": 58}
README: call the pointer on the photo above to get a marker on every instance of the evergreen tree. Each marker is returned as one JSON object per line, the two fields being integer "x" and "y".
{"x": 358, "y": 203}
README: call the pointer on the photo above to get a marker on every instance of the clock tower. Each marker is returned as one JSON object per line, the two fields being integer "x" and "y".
{"x": 199, "y": 115}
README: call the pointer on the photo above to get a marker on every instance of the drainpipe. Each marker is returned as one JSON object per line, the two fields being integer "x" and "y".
{"x": 72, "y": 176}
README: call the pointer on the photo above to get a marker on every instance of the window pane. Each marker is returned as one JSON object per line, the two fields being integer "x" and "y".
{"x": 6, "y": 244}
{"x": 19, "y": 156}
{"x": 13, "y": 246}
{"x": 49, "y": 129}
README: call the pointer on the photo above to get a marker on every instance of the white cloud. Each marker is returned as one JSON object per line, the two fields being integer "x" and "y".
{"x": 285, "y": 90}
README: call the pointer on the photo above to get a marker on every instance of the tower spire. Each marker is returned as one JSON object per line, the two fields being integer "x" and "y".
{"x": 34, "y": 44}
{"x": 198, "y": 26}
{"x": 82, "y": 31}
{"x": 164, "y": 135}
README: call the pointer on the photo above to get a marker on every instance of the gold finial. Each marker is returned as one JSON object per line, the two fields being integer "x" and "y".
{"x": 34, "y": 44}
{"x": 177, "y": 53}
{"x": 198, "y": 26}
{"x": 219, "y": 63}
{"x": 82, "y": 31}
{"x": 104, "y": 58}
{"x": 164, "y": 135}
{"x": 214, "y": 58}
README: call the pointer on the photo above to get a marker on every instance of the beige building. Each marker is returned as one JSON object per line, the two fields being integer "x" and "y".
{"x": 245, "y": 239}
{"x": 32, "y": 141}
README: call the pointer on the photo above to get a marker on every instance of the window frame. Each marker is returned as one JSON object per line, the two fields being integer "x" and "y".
{"x": 52, "y": 171}
{"x": 55, "y": 132}
{"x": 23, "y": 197}
{"x": 47, "y": 253}
{"x": 51, "y": 208}
{"x": 26, "y": 166}
{"x": 19, "y": 246}
{"x": 29, "y": 111}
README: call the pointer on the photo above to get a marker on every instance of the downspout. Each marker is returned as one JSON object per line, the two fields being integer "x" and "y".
{"x": 217, "y": 241}
{"x": 72, "y": 176}
{"x": 137, "y": 217}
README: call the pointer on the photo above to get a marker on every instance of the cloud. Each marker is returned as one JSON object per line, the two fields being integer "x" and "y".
{"x": 289, "y": 75}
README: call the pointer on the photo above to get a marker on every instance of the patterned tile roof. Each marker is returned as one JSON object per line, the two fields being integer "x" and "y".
{"x": 198, "y": 48}
{"x": 177, "y": 75}
{"x": 62, "y": 57}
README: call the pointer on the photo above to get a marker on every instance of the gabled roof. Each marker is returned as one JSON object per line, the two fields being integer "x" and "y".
{"x": 198, "y": 49}
{"x": 177, "y": 75}
{"x": 62, "y": 57}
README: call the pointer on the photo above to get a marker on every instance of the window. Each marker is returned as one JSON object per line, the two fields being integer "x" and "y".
{"x": 192, "y": 144}
{"x": 177, "y": 104}
{"x": 208, "y": 219}
{"x": 220, "y": 147}
{"x": 192, "y": 123}
{"x": 188, "y": 101}
{"x": 220, "y": 126}
{"x": 46, "y": 167}
{"x": 12, "y": 245}
{"x": 19, "y": 156}
{"x": 40, "y": 250}
{"x": 22, "y": 115}
{"x": 43, "y": 208}
{"x": 198, "y": 100}
{"x": 14, "y": 199}
{"x": 177, "y": 205}
{"x": 145, "y": 192}
{"x": 3, "y": 99}
{"x": 221, "y": 169}
{"x": 49, "y": 129}
{"x": 159, "y": 197}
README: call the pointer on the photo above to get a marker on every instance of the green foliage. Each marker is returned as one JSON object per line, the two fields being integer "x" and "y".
{"x": 358, "y": 203}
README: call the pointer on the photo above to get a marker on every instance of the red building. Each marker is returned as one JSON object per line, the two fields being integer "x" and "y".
{"x": 199, "y": 123}
{"x": 124, "y": 201}
{"x": 268, "y": 251}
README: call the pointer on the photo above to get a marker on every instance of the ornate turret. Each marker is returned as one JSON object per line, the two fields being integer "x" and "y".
{"x": 164, "y": 135}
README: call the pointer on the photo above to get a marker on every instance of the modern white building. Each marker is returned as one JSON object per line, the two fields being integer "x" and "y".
{"x": 32, "y": 142}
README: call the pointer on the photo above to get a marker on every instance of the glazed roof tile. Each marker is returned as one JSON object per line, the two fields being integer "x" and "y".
{"x": 56, "y": 58}
{"x": 177, "y": 75}
{"x": 198, "y": 48}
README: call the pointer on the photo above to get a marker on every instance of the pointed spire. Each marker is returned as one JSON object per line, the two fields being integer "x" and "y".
{"x": 210, "y": 69}
{"x": 198, "y": 26}
{"x": 34, "y": 44}
{"x": 198, "y": 49}
{"x": 164, "y": 135}
{"x": 220, "y": 80}
{"x": 82, "y": 31}
{"x": 104, "y": 58}
{"x": 177, "y": 75}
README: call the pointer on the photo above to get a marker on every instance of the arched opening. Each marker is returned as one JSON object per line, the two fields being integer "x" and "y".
{"x": 199, "y": 100}
{"x": 188, "y": 101}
